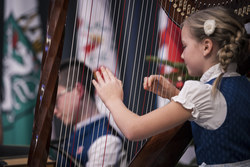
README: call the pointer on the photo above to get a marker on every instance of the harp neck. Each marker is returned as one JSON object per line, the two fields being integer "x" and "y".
{"x": 46, "y": 97}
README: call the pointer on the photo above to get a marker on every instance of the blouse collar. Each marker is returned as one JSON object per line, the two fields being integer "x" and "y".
{"x": 215, "y": 71}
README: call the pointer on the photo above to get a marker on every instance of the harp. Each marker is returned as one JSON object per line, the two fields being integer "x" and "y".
{"x": 155, "y": 151}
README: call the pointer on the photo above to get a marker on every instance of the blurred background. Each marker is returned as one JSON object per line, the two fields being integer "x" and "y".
{"x": 127, "y": 43}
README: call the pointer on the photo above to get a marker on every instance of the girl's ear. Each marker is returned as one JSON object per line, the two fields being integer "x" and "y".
{"x": 207, "y": 47}
{"x": 80, "y": 89}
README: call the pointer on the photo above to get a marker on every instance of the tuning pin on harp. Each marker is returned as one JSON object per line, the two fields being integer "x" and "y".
{"x": 244, "y": 11}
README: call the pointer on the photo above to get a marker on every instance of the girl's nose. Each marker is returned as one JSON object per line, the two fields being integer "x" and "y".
{"x": 182, "y": 56}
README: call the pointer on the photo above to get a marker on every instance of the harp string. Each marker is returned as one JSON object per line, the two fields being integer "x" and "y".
{"x": 144, "y": 96}
{"x": 131, "y": 91}
{"x": 149, "y": 63}
{"x": 124, "y": 148}
{"x": 64, "y": 109}
{"x": 127, "y": 17}
{"x": 113, "y": 132}
{"x": 164, "y": 41}
{"x": 150, "y": 95}
{"x": 143, "y": 65}
{"x": 128, "y": 26}
{"x": 154, "y": 65}
{"x": 131, "y": 104}
{"x": 173, "y": 26}
{"x": 157, "y": 63}
{"x": 109, "y": 113}
{"x": 97, "y": 67}
{"x": 116, "y": 64}
{"x": 72, "y": 86}
{"x": 133, "y": 99}
{"x": 78, "y": 109}
{"x": 100, "y": 125}
{"x": 65, "y": 99}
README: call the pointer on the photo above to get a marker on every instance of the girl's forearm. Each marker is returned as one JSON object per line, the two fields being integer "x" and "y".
{"x": 124, "y": 118}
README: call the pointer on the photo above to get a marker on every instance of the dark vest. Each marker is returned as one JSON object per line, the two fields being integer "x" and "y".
{"x": 230, "y": 142}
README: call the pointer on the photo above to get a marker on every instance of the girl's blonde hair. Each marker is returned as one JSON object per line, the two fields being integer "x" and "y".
{"x": 229, "y": 34}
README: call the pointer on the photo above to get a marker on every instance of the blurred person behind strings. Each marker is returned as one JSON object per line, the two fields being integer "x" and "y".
{"x": 75, "y": 104}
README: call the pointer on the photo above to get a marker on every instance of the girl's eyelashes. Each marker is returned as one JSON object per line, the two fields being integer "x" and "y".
{"x": 183, "y": 45}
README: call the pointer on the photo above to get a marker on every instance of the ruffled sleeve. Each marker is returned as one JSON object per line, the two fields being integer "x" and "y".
{"x": 208, "y": 111}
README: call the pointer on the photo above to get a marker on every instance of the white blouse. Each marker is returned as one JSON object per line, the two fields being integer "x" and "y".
{"x": 208, "y": 111}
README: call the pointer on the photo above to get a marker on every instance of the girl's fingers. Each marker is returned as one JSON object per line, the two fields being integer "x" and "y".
{"x": 120, "y": 82}
{"x": 96, "y": 85}
{"x": 148, "y": 82}
{"x": 110, "y": 74}
{"x": 99, "y": 77}
{"x": 145, "y": 83}
{"x": 151, "y": 79}
{"x": 105, "y": 73}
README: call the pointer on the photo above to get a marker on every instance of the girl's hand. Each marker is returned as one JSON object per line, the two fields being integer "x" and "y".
{"x": 108, "y": 87}
{"x": 159, "y": 85}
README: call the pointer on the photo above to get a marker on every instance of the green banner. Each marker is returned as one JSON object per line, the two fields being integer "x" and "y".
{"x": 21, "y": 74}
